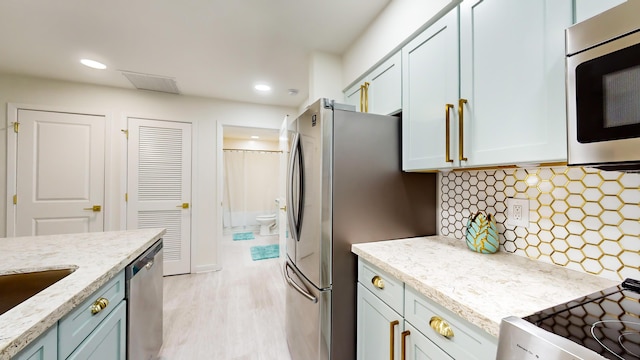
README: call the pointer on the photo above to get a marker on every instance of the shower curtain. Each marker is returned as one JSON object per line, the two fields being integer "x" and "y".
{"x": 250, "y": 186}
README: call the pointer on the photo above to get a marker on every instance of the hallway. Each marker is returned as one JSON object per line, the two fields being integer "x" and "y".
{"x": 235, "y": 313}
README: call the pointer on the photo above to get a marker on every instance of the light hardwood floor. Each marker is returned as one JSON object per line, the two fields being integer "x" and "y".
{"x": 235, "y": 313}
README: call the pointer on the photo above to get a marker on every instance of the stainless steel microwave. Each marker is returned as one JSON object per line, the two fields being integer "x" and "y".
{"x": 603, "y": 89}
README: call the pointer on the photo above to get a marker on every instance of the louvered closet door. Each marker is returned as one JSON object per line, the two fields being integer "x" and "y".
{"x": 159, "y": 186}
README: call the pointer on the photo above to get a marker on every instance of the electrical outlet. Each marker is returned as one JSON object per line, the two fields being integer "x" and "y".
{"x": 518, "y": 212}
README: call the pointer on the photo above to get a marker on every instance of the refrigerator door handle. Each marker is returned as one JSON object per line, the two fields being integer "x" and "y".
{"x": 298, "y": 288}
{"x": 295, "y": 219}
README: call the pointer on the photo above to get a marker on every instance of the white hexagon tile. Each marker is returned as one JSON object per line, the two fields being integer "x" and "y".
{"x": 582, "y": 218}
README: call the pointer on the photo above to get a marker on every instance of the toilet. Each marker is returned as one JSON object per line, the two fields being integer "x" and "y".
{"x": 267, "y": 223}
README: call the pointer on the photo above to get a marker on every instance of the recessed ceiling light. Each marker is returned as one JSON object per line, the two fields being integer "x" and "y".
{"x": 255, "y": 137}
{"x": 262, "y": 87}
{"x": 93, "y": 64}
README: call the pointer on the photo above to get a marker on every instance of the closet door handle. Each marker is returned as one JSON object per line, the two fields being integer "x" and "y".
{"x": 403, "y": 345}
{"x": 447, "y": 142}
{"x": 392, "y": 340}
{"x": 461, "y": 103}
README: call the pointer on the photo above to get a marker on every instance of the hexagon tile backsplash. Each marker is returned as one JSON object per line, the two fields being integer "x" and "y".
{"x": 582, "y": 218}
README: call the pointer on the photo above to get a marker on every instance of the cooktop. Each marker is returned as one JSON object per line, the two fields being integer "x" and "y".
{"x": 607, "y": 322}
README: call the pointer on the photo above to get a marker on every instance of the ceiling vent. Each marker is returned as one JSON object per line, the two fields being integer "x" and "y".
{"x": 152, "y": 82}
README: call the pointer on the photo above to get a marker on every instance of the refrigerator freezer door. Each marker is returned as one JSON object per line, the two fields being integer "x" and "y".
{"x": 308, "y": 317}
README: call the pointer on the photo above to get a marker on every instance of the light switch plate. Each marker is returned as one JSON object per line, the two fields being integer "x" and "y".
{"x": 518, "y": 212}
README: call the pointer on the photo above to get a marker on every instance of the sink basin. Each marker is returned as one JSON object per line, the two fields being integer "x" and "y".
{"x": 16, "y": 288}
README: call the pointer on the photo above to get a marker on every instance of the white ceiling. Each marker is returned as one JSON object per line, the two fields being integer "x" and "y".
{"x": 212, "y": 48}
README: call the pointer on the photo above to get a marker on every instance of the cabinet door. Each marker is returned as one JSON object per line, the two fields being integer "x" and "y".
{"x": 352, "y": 96}
{"x": 512, "y": 74}
{"x": 589, "y": 8}
{"x": 419, "y": 347}
{"x": 45, "y": 347}
{"x": 385, "y": 87}
{"x": 378, "y": 327}
{"x": 109, "y": 340}
{"x": 429, "y": 83}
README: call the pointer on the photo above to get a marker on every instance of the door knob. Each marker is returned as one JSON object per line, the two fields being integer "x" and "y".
{"x": 184, "y": 206}
{"x": 95, "y": 208}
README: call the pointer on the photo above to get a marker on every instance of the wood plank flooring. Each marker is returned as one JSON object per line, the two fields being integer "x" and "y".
{"x": 235, "y": 313}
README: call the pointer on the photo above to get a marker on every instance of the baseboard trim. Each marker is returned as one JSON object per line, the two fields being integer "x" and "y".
{"x": 206, "y": 268}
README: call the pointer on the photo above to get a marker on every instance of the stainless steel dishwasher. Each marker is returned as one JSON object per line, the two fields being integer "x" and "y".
{"x": 144, "y": 304}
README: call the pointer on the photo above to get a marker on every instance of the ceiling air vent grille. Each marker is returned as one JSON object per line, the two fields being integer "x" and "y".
{"x": 152, "y": 82}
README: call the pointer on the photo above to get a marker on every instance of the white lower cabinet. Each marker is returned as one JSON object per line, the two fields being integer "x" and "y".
{"x": 379, "y": 328}
{"x": 45, "y": 347}
{"x": 95, "y": 329}
{"x": 419, "y": 347}
{"x": 418, "y": 328}
{"x": 108, "y": 341}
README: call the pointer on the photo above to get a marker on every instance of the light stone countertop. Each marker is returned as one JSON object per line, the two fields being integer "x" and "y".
{"x": 98, "y": 257}
{"x": 480, "y": 288}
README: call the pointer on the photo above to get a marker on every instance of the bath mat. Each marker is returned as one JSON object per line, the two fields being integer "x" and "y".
{"x": 243, "y": 236}
{"x": 265, "y": 252}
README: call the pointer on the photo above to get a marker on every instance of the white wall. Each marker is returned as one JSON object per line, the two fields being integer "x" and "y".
{"x": 397, "y": 22}
{"x": 118, "y": 104}
{"x": 250, "y": 144}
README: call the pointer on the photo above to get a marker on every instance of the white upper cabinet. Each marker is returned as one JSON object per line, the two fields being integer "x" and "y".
{"x": 512, "y": 76}
{"x": 384, "y": 93}
{"x": 352, "y": 96}
{"x": 508, "y": 106}
{"x": 380, "y": 92}
{"x": 430, "y": 88}
{"x": 589, "y": 8}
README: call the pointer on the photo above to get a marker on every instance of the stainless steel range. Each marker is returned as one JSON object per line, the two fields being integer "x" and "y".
{"x": 603, "y": 325}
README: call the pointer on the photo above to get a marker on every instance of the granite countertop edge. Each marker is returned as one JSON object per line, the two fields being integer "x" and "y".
{"x": 27, "y": 321}
{"x": 477, "y": 295}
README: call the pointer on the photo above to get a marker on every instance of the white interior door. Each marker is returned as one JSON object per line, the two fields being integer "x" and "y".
{"x": 59, "y": 173}
{"x": 159, "y": 186}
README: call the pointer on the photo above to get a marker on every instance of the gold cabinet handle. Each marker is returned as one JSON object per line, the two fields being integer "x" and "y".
{"x": 99, "y": 305}
{"x": 361, "y": 98}
{"x": 366, "y": 97}
{"x": 378, "y": 282}
{"x": 392, "y": 327}
{"x": 94, "y": 208}
{"x": 441, "y": 326}
{"x": 403, "y": 345}
{"x": 184, "y": 206}
{"x": 447, "y": 142}
{"x": 461, "y": 103}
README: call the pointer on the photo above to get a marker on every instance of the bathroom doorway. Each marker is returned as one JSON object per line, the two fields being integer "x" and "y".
{"x": 251, "y": 159}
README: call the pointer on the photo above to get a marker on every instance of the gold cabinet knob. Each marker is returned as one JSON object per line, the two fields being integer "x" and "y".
{"x": 94, "y": 208}
{"x": 441, "y": 327}
{"x": 183, "y": 205}
{"x": 378, "y": 282}
{"x": 99, "y": 305}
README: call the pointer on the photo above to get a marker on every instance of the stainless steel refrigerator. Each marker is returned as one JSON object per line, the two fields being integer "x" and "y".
{"x": 344, "y": 186}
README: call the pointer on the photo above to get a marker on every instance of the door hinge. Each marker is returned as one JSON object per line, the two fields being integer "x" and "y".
{"x": 126, "y": 197}
{"x": 125, "y": 132}
{"x": 16, "y": 127}
{"x": 15, "y": 199}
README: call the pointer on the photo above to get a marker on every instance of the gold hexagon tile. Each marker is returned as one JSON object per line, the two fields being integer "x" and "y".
{"x": 582, "y": 218}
